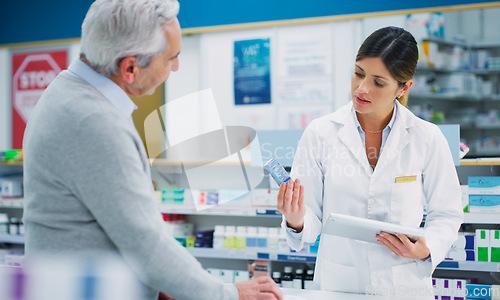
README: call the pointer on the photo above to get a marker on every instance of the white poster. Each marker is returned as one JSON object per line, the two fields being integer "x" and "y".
{"x": 304, "y": 64}
{"x": 298, "y": 117}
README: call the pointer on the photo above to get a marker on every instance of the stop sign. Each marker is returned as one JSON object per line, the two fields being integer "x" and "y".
{"x": 31, "y": 74}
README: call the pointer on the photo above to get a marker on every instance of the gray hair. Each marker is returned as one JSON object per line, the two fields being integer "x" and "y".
{"x": 115, "y": 29}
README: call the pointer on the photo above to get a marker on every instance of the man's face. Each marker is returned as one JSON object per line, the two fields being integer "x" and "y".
{"x": 148, "y": 79}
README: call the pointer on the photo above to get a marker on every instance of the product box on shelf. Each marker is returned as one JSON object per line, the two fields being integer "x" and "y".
{"x": 450, "y": 289}
{"x": 484, "y": 203}
{"x": 478, "y": 291}
{"x": 495, "y": 245}
{"x": 172, "y": 195}
{"x": 482, "y": 245}
{"x": 264, "y": 197}
{"x": 484, "y": 185}
{"x": 257, "y": 268}
{"x": 11, "y": 187}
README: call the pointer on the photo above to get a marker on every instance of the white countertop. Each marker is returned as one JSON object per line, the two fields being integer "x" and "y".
{"x": 296, "y": 294}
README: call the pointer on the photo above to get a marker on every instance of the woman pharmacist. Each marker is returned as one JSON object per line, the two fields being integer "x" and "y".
{"x": 374, "y": 159}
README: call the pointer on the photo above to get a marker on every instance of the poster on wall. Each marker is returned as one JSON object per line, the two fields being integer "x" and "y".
{"x": 252, "y": 78}
{"x": 304, "y": 71}
{"x": 31, "y": 74}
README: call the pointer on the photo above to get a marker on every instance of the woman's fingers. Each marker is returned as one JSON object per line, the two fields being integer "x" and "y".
{"x": 301, "y": 198}
{"x": 295, "y": 195}
{"x": 281, "y": 196}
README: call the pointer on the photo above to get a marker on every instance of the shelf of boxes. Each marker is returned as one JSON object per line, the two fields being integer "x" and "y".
{"x": 311, "y": 258}
{"x": 481, "y": 218}
{"x": 469, "y": 218}
{"x": 12, "y": 239}
{"x": 247, "y": 254}
{"x": 446, "y": 97}
{"x": 12, "y": 203}
{"x": 470, "y": 266}
{"x": 220, "y": 211}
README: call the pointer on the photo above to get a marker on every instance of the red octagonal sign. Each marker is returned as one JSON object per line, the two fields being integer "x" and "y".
{"x": 31, "y": 74}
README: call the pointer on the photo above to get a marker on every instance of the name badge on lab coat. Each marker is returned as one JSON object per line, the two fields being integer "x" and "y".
{"x": 406, "y": 179}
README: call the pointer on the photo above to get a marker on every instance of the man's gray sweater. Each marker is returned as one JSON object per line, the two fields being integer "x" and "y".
{"x": 88, "y": 188}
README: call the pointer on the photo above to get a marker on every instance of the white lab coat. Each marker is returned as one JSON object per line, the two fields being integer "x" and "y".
{"x": 332, "y": 165}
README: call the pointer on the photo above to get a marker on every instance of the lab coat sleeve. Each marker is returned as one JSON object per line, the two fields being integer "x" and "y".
{"x": 444, "y": 205}
{"x": 307, "y": 167}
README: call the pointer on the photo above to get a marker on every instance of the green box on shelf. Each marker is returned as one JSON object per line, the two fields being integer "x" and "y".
{"x": 495, "y": 245}
{"x": 14, "y": 155}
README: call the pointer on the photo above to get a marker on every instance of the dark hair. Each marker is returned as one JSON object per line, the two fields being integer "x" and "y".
{"x": 398, "y": 50}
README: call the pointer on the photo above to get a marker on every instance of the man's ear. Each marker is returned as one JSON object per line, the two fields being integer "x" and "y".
{"x": 128, "y": 69}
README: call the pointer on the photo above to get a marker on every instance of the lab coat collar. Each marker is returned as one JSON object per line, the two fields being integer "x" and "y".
{"x": 342, "y": 116}
{"x": 396, "y": 141}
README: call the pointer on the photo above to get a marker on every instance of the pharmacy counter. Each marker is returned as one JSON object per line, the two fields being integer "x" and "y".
{"x": 296, "y": 294}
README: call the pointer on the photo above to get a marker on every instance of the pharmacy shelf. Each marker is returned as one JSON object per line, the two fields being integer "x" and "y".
{"x": 486, "y": 72}
{"x": 428, "y": 69}
{"x": 447, "y": 42}
{"x": 221, "y": 211}
{"x": 480, "y": 161}
{"x": 481, "y": 218}
{"x": 11, "y": 168}
{"x": 476, "y": 266}
{"x": 444, "y": 97}
{"x": 12, "y": 203}
{"x": 12, "y": 239}
{"x": 247, "y": 254}
{"x": 311, "y": 258}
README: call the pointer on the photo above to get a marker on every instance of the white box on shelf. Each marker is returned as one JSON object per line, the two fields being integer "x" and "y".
{"x": 495, "y": 245}
{"x": 482, "y": 245}
{"x": 227, "y": 276}
{"x": 262, "y": 197}
{"x": 11, "y": 188}
{"x": 240, "y": 275}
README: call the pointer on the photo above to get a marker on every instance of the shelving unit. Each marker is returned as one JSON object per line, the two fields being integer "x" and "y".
{"x": 12, "y": 239}
{"x": 246, "y": 255}
{"x": 12, "y": 203}
{"x": 257, "y": 216}
{"x": 221, "y": 211}
{"x": 461, "y": 102}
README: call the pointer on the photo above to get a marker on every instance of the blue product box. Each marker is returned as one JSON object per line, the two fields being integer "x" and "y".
{"x": 212, "y": 198}
{"x": 484, "y": 185}
{"x": 478, "y": 291}
{"x": 469, "y": 242}
{"x": 171, "y": 195}
{"x": 484, "y": 203}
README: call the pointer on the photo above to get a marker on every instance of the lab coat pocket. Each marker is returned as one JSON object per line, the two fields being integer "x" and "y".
{"x": 338, "y": 278}
{"x": 410, "y": 282}
{"x": 406, "y": 199}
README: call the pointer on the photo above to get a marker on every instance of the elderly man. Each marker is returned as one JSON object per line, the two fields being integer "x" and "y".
{"x": 87, "y": 178}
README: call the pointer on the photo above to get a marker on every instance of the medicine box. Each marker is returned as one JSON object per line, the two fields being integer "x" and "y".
{"x": 484, "y": 203}
{"x": 263, "y": 197}
{"x": 11, "y": 188}
{"x": 172, "y": 195}
{"x": 478, "y": 291}
{"x": 482, "y": 249}
{"x": 484, "y": 185}
{"x": 495, "y": 245}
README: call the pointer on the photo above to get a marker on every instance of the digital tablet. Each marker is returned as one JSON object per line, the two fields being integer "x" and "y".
{"x": 365, "y": 229}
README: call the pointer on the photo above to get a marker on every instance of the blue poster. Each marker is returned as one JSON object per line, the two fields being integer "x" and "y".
{"x": 252, "y": 78}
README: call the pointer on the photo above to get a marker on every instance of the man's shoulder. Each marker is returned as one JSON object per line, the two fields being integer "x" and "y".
{"x": 74, "y": 98}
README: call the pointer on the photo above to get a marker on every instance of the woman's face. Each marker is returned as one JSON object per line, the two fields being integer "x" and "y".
{"x": 373, "y": 88}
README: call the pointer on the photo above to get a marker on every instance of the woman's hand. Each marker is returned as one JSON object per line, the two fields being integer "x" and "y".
{"x": 291, "y": 204}
{"x": 403, "y": 247}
